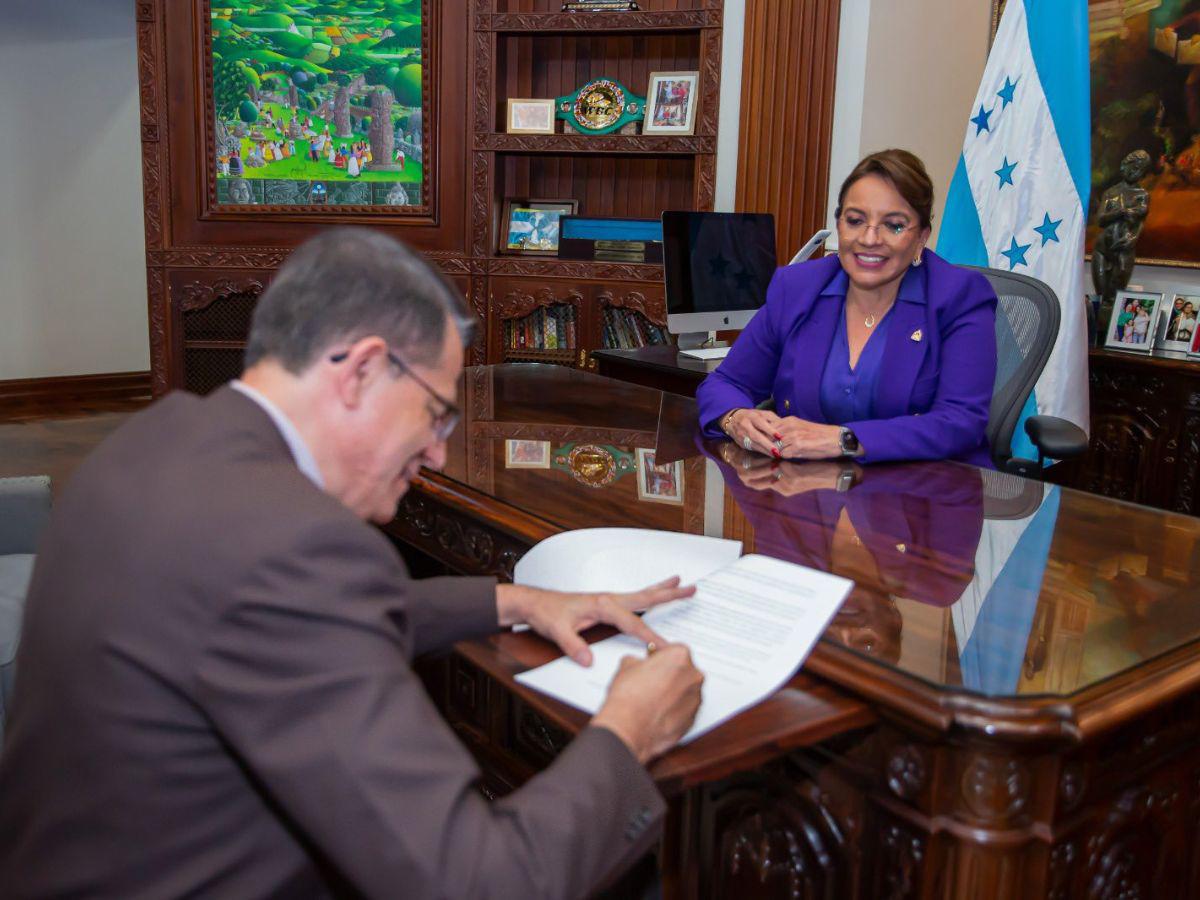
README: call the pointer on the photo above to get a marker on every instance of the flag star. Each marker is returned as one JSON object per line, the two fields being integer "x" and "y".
{"x": 1048, "y": 230}
{"x": 1005, "y": 172}
{"x": 981, "y": 122}
{"x": 1015, "y": 254}
{"x": 1006, "y": 93}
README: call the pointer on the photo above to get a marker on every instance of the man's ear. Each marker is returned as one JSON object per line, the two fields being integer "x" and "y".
{"x": 359, "y": 369}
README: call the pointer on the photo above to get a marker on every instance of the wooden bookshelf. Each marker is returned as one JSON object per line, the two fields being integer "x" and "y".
{"x": 528, "y": 48}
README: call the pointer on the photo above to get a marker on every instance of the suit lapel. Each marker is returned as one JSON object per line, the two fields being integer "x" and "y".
{"x": 903, "y": 354}
{"x": 811, "y": 350}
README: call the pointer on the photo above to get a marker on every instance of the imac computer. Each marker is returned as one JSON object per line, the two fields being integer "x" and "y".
{"x": 716, "y": 267}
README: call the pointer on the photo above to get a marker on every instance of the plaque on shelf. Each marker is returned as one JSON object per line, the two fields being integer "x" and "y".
{"x": 600, "y": 6}
{"x": 604, "y": 239}
{"x": 531, "y": 227}
{"x": 601, "y": 106}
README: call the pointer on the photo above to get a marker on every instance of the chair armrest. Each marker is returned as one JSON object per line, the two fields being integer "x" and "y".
{"x": 24, "y": 512}
{"x": 1056, "y": 438}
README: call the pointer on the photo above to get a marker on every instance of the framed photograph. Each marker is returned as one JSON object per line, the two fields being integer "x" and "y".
{"x": 1133, "y": 321}
{"x": 531, "y": 116}
{"x": 1177, "y": 323}
{"x": 659, "y": 483}
{"x": 313, "y": 107}
{"x": 671, "y": 103}
{"x": 531, "y": 227}
{"x": 526, "y": 454}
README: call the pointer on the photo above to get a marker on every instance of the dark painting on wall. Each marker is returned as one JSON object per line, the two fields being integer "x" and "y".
{"x": 318, "y": 103}
{"x": 1145, "y": 62}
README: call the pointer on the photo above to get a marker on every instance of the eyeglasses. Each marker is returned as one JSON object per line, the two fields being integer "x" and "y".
{"x": 856, "y": 225}
{"x": 444, "y": 422}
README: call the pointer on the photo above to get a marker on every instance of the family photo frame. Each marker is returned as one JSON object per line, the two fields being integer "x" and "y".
{"x": 671, "y": 103}
{"x": 532, "y": 227}
{"x": 1134, "y": 323}
{"x": 1177, "y": 323}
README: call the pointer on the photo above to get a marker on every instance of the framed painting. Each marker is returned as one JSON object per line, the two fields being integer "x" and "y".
{"x": 1145, "y": 56}
{"x": 318, "y": 105}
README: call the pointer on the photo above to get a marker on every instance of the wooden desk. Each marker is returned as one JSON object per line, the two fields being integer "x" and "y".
{"x": 1008, "y": 705}
{"x": 661, "y": 368}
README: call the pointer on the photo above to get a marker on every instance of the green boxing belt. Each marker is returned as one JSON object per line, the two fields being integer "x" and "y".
{"x": 601, "y": 106}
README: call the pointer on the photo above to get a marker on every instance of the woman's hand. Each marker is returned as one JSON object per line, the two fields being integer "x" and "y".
{"x": 799, "y": 439}
{"x": 757, "y": 430}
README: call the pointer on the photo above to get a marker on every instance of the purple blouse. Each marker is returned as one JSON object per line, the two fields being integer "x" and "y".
{"x": 848, "y": 395}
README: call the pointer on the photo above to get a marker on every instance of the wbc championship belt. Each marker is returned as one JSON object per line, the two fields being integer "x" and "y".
{"x": 601, "y": 106}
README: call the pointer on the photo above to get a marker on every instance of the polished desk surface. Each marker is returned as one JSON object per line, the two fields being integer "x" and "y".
{"x": 969, "y": 582}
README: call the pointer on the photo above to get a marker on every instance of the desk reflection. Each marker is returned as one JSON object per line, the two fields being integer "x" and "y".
{"x": 968, "y": 543}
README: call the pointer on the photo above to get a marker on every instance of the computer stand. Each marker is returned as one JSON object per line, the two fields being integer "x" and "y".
{"x": 701, "y": 345}
{"x": 696, "y": 340}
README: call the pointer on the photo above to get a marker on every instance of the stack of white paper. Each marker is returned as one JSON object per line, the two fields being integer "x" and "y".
{"x": 749, "y": 627}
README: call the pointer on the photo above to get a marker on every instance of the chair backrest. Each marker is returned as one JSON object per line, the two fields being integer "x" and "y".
{"x": 1027, "y": 320}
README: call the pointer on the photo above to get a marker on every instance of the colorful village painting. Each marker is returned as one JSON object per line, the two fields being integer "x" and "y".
{"x": 318, "y": 103}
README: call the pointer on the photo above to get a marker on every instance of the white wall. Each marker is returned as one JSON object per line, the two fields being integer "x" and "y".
{"x": 728, "y": 127}
{"x": 72, "y": 251}
{"x": 907, "y": 75}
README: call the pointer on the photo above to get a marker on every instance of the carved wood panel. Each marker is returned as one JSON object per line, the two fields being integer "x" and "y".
{"x": 1145, "y": 444}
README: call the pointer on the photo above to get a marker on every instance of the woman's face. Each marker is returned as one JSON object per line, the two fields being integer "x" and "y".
{"x": 1187, "y": 308}
{"x": 879, "y": 234}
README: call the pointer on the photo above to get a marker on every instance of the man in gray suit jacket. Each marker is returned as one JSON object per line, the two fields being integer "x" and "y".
{"x": 214, "y": 690}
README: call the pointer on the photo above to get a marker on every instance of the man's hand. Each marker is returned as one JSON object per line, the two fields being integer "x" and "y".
{"x": 652, "y": 702}
{"x": 560, "y": 616}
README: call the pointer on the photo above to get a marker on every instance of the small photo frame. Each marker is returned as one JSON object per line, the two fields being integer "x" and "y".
{"x": 671, "y": 103}
{"x": 1178, "y": 323}
{"x": 1134, "y": 321}
{"x": 659, "y": 483}
{"x": 531, "y": 227}
{"x": 526, "y": 454}
{"x": 526, "y": 116}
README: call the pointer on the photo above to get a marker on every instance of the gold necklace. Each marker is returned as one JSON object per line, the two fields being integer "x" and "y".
{"x": 869, "y": 320}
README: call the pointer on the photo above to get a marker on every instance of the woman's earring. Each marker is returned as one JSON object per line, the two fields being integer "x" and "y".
{"x": 917, "y": 259}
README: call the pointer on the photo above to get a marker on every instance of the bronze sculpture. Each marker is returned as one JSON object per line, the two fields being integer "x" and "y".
{"x": 1121, "y": 216}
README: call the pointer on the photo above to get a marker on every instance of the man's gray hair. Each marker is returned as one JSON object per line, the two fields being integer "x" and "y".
{"x": 350, "y": 283}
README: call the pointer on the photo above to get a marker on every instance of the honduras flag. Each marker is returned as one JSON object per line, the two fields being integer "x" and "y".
{"x": 1018, "y": 200}
{"x": 993, "y": 617}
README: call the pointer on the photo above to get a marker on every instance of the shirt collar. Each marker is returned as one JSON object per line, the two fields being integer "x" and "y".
{"x": 912, "y": 285}
{"x": 305, "y": 461}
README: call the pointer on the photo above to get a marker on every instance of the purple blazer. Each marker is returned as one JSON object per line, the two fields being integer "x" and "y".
{"x": 937, "y": 370}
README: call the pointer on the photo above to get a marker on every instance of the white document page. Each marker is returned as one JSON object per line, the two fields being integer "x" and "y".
{"x": 749, "y": 627}
{"x": 619, "y": 560}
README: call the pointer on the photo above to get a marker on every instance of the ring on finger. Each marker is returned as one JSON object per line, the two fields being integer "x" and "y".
{"x": 747, "y": 443}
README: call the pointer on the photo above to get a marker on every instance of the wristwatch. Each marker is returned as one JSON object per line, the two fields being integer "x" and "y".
{"x": 848, "y": 442}
{"x": 848, "y": 477}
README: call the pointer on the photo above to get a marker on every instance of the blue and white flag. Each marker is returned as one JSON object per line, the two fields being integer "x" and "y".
{"x": 1018, "y": 200}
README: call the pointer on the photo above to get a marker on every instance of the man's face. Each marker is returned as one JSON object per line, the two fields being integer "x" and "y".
{"x": 391, "y": 433}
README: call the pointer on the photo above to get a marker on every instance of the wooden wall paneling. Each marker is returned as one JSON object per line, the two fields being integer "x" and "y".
{"x": 785, "y": 132}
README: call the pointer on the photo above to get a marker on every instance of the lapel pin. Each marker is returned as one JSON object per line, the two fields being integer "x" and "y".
{"x": 916, "y": 336}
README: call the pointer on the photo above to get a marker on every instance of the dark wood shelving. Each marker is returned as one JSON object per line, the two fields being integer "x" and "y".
{"x": 623, "y": 144}
{"x": 574, "y": 268}
{"x": 589, "y": 23}
{"x": 529, "y": 48}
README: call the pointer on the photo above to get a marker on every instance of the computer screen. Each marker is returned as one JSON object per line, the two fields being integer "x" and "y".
{"x": 716, "y": 267}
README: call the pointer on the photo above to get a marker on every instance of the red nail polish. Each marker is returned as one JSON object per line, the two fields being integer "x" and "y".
{"x": 778, "y": 436}
{"x": 778, "y": 455}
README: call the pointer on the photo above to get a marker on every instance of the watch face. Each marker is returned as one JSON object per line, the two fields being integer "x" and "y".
{"x": 849, "y": 441}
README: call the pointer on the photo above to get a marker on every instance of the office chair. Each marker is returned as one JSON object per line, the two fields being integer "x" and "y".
{"x": 1027, "y": 321}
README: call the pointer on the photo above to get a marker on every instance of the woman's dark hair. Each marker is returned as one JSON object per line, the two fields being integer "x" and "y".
{"x": 904, "y": 171}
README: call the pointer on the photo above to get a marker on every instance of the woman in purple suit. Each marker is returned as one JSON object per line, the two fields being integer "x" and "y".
{"x": 883, "y": 352}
